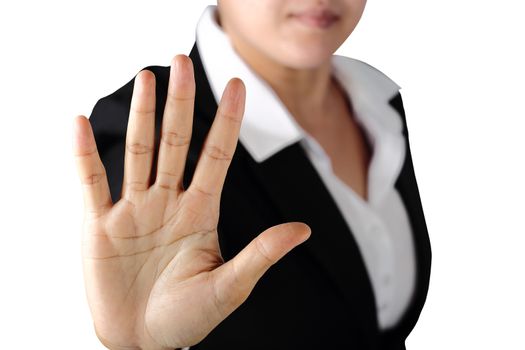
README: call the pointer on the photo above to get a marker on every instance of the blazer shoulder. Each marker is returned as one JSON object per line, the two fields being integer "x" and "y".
{"x": 110, "y": 113}
{"x": 161, "y": 73}
{"x": 397, "y": 103}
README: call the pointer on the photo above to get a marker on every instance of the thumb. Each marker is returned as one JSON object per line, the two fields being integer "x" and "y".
{"x": 235, "y": 279}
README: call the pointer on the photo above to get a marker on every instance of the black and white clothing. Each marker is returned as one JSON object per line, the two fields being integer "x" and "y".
{"x": 361, "y": 279}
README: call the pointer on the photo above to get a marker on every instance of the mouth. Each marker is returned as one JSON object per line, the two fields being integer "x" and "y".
{"x": 315, "y": 18}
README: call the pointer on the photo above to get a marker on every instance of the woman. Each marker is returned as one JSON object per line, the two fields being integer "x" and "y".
{"x": 324, "y": 159}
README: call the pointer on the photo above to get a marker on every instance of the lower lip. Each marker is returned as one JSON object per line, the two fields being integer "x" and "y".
{"x": 316, "y": 22}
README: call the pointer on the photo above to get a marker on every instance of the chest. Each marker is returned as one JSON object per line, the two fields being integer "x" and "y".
{"x": 345, "y": 142}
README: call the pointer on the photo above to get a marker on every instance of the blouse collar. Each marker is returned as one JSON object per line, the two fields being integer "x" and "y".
{"x": 267, "y": 125}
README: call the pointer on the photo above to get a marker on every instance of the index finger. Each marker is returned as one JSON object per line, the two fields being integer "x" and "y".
{"x": 221, "y": 141}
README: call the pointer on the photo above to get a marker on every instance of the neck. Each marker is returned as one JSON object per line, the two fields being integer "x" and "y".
{"x": 306, "y": 93}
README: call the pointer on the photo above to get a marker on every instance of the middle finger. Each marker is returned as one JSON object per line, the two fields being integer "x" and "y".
{"x": 176, "y": 124}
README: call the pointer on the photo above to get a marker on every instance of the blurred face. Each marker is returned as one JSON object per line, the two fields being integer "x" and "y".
{"x": 295, "y": 33}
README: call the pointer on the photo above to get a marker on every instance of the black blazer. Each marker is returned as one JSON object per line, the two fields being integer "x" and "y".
{"x": 318, "y": 296}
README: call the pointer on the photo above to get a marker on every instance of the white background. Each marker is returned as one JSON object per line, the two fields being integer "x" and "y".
{"x": 461, "y": 68}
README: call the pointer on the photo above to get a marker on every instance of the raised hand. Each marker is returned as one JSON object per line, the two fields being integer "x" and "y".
{"x": 153, "y": 270}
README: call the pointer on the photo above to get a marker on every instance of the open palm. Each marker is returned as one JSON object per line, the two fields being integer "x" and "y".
{"x": 154, "y": 274}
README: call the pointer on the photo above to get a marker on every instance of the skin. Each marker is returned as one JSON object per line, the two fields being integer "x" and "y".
{"x": 153, "y": 271}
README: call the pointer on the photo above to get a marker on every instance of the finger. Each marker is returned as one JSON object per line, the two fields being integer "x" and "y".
{"x": 220, "y": 144}
{"x": 97, "y": 198}
{"x": 140, "y": 134}
{"x": 235, "y": 279}
{"x": 176, "y": 124}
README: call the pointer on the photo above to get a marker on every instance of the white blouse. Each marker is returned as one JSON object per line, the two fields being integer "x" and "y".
{"x": 380, "y": 225}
